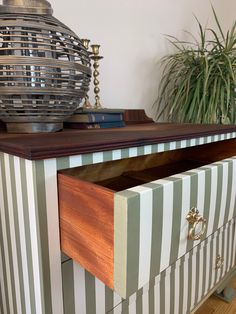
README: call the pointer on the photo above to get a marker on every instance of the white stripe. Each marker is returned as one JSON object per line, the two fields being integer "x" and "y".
{"x": 79, "y": 289}
{"x": 185, "y": 209}
{"x": 145, "y": 240}
{"x": 172, "y": 145}
{"x": 185, "y": 288}
{"x": 233, "y": 191}
{"x": 145, "y": 303}
{"x": 157, "y": 298}
{"x": 167, "y": 222}
{"x": 193, "y": 142}
{"x": 133, "y": 152}
{"x": 147, "y": 149}
{"x": 30, "y": 182}
{"x": 160, "y": 147}
{"x": 97, "y": 157}
{"x": 200, "y": 275}
{"x": 2, "y": 283}
{"x": 132, "y": 307}
{"x": 224, "y": 193}
{"x": 100, "y": 297}
{"x": 22, "y": 234}
{"x": 5, "y": 244}
{"x": 213, "y": 196}
{"x": 75, "y": 161}
{"x": 13, "y": 234}
{"x": 117, "y": 303}
{"x": 50, "y": 171}
{"x": 183, "y": 144}
{"x": 177, "y": 287}
{"x": 167, "y": 291}
{"x": 116, "y": 299}
{"x": 116, "y": 154}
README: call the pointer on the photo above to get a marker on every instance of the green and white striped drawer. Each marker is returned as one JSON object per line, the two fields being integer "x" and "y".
{"x": 177, "y": 289}
{"x": 151, "y": 230}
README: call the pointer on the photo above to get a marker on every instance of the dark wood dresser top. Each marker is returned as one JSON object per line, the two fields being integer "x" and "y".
{"x": 71, "y": 142}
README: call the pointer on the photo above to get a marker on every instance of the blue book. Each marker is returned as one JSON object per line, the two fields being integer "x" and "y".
{"x": 96, "y": 117}
{"x": 101, "y": 125}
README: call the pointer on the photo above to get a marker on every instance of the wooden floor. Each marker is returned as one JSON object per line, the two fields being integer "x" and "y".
{"x": 217, "y": 306}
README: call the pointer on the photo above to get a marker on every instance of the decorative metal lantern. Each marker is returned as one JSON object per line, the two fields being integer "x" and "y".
{"x": 44, "y": 68}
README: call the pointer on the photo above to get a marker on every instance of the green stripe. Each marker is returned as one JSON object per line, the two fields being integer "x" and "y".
{"x": 42, "y": 217}
{"x": 17, "y": 232}
{"x": 228, "y": 248}
{"x": 211, "y": 263}
{"x": 140, "y": 150}
{"x": 166, "y": 146}
{"x": 218, "y": 196}
{"x": 222, "y": 252}
{"x": 133, "y": 242}
{"x": 181, "y": 284}
{"x": 63, "y": 163}
{"x": 204, "y": 266}
{"x": 108, "y": 299}
{"x": 90, "y": 293}
{"x": 68, "y": 288}
{"x": 27, "y": 234}
{"x": 233, "y": 243}
{"x": 176, "y": 222}
{"x": 157, "y": 218}
{"x": 151, "y": 297}
{"x": 229, "y": 191}
{"x": 107, "y": 156}
{"x": 125, "y": 153}
{"x": 190, "y": 280}
{"x": 9, "y": 244}
{"x": 139, "y": 305}
{"x": 87, "y": 159}
{"x": 197, "y": 272}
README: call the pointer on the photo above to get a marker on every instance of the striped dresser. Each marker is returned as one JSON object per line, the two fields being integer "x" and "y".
{"x": 155, "y": 260}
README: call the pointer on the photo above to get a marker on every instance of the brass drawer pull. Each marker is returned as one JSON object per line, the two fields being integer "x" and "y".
{"x": 219, "y": 261}
{"x": 194, "y": 219}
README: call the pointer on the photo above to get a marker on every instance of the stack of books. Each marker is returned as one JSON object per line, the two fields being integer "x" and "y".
{"x": 96, "y": 119}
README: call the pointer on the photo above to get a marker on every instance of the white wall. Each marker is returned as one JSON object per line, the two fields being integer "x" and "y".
{"x": 130, "y": 33}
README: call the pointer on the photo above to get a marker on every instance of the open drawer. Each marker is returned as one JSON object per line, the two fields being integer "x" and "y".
{"x": 125, "y": 221}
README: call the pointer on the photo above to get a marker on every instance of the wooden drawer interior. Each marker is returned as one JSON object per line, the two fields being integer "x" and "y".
{"x": 123, "y": 174}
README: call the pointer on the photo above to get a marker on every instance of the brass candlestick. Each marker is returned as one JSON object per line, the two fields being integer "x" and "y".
{"x": 86, "y": 103}
{"x": 96, "y": 58}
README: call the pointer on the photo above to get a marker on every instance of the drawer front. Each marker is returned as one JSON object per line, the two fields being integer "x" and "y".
{"x": 178, "y": 289}
{"x": 151, "y": 230}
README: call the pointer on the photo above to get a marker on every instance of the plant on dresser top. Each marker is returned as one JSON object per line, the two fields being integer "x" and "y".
{"x": 198, "y": 82}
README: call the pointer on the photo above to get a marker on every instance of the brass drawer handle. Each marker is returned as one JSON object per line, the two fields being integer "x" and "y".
{"x": 194, "y": 219}
{"x": 219, "y": 261}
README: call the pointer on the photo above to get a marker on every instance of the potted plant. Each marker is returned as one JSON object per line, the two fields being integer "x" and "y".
{"x": 198, "y": 82}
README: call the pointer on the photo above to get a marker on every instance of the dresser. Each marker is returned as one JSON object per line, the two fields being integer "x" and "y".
{"x": 133, "y": 220}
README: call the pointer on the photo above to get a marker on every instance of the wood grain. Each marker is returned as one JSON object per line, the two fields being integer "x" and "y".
{"x": 87, "y": 226}
{"x": 72, "y": 142}
{"x": 217, "y": 306}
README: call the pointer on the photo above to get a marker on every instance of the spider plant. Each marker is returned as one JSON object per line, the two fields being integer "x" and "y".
{"x": 199, "y": 80}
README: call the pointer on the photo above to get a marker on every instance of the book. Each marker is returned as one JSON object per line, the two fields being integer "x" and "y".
{"x": 101, "y": 125}
{"x": 96, "y": 117}
{"x": 100, "y": 110}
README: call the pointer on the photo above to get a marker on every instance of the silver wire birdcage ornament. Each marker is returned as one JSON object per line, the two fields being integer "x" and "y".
{"x": 44, "y": 68}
